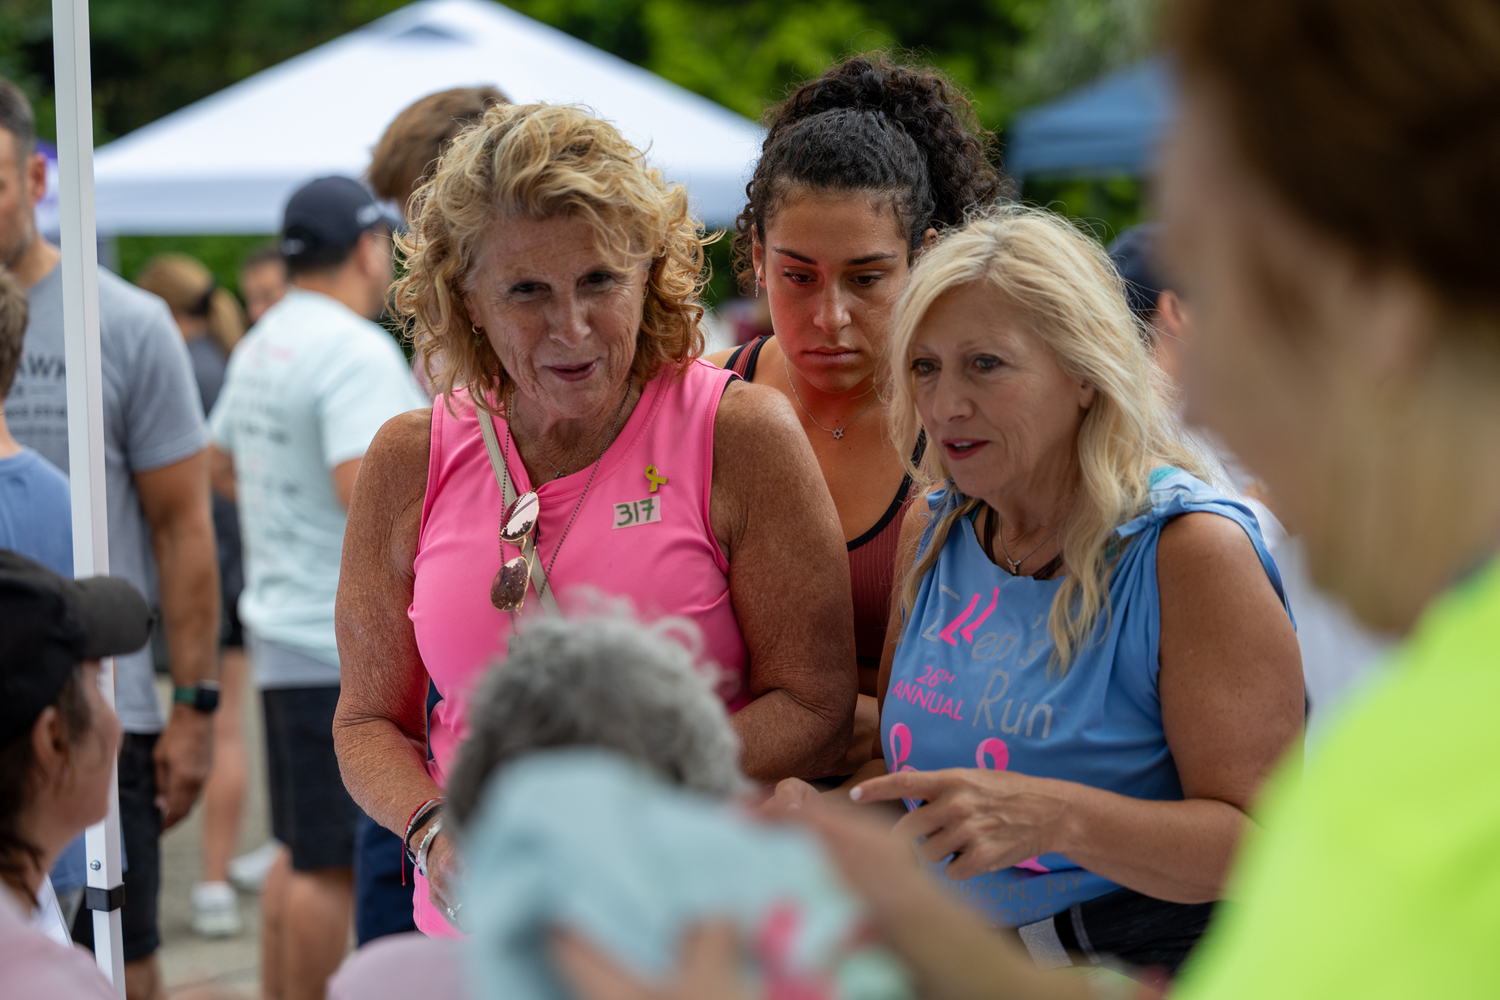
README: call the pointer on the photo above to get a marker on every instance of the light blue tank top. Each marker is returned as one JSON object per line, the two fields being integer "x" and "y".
{"x": 970, "y": 685}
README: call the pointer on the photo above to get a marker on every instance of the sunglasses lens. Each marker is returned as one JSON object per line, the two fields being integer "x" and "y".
{"x": 521, "y": 518}
{"x": 508, "y": 589}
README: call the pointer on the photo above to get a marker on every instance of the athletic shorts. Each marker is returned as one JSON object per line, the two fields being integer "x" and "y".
{"x": 311, "y": 811}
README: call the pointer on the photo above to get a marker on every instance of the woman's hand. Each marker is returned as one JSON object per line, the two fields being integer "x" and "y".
{"x": 950, "y": 951}
{"x": 791, "y": 794}
{"x": 986, "y": 819}
{"x": 444, "y": 875}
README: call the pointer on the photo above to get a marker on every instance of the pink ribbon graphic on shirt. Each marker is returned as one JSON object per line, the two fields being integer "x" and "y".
{"x": 996, "y": 750}
{"x": 900, "y": 747}
{"x": 900, "y": 750}
{"x": 999, "y": 755}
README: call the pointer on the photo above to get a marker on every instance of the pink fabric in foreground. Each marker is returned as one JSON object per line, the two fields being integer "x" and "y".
{"x": 640, "y": 534}
{"x": 34, "y": 965}
{"x": 403, "y": 967}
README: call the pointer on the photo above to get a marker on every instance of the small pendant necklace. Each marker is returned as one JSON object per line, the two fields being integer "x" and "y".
{"x": 837, "y": 432}
{"x": 1015, "y": 564}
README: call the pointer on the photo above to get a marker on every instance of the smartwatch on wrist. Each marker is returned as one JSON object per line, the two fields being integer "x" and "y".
{"x": 204, "y": 697}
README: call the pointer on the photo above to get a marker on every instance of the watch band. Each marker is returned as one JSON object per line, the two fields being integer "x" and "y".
{"x": 204, "y": 696}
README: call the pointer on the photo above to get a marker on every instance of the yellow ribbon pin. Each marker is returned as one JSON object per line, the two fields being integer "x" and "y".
{"x": 654, "y": 478}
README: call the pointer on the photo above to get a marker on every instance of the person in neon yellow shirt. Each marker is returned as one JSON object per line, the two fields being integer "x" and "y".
{"x": 1327, "y": 199}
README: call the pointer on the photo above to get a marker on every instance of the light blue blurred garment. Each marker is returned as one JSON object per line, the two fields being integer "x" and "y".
{"x": 586, "y": 839}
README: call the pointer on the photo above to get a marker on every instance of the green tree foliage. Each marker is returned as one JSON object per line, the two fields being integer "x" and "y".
{"x": 151, "y": 57}
{"x": 744, "y": 54}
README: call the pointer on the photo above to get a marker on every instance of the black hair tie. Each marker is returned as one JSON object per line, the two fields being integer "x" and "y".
{"x": 201, "y": 307}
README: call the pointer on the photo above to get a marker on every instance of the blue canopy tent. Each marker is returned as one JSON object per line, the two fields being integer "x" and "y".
{"x": 1111, "y": 126}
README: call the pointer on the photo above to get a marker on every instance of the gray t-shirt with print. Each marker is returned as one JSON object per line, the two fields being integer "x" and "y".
{"x": 152, "y": 419}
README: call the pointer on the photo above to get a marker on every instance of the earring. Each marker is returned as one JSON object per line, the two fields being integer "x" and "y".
{"x": 757, "y": 284}
{"x": 478, "y": 335}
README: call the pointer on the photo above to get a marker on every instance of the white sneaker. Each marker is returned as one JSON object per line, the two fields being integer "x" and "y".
{"x": 216, "y": 910}
{"x": 248, "y": 871}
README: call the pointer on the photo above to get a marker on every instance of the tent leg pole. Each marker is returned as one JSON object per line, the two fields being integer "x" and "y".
{"x": 80, "y": 280}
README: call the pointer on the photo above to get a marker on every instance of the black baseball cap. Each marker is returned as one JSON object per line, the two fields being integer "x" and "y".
{"x": 1134, "y": 254}
{"x": 326, "y": 217}
{"x": 49, "y": 624}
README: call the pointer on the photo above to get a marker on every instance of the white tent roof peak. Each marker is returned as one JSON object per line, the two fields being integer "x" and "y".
{"x": 227, "y": 163}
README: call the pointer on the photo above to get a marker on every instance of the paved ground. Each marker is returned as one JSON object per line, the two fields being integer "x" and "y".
{"x": 186, "y": 958}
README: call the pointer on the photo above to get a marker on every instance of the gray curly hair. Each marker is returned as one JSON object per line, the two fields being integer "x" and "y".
{"x": 607, "y": 682}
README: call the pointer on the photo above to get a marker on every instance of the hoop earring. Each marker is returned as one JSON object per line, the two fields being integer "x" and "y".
{"x": 478, "y": 335}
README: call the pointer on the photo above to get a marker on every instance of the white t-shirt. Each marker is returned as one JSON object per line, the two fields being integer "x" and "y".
{"x": 304, "y": 392}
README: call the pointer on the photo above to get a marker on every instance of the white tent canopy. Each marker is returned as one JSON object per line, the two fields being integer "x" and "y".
{"x": 227, "y": 163}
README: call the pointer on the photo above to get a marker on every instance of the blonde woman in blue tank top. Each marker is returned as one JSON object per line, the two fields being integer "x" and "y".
{"x": 1091, "y": 668}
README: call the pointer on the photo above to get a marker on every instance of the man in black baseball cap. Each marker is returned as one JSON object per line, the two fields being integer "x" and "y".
{"x": 309, "y": 388}
{"x": 325, "y": 219}
{"x": 49, "y": 625}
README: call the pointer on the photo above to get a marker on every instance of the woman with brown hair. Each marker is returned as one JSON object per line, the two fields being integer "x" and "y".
{"x": 556, "y": 277}
{"x": 859, "y": 170}
{"x": 208, "y": 315}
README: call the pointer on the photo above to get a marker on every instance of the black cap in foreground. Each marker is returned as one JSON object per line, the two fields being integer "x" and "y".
{"x": 1134, "y": 253}
{"x": 326, "y": 217}
{"x": 49, "y": 624}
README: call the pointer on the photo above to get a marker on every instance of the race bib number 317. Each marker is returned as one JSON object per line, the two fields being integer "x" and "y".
{"x": 647, "y": 511}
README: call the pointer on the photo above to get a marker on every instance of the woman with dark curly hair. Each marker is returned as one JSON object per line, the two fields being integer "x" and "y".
{"x": 554, "y": 277}
{"x": 859, "y": 170}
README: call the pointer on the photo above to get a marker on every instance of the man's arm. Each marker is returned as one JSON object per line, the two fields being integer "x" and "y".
{"x": 343, "y": 479}
{"x": 175, "y": 500}
{"x": 221, "y": 473}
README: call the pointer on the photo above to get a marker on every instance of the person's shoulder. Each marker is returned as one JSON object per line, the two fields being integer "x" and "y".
{"x": 396, "y": 462}
{"x": 39, "y": 469}
{"x": 403, "y": 439}
{"x": 1204, "y": 536}
{"x": 127, "y": 307}
{"x": 749, "y": 413}
{"x": 354, "y": 340}
{"x": 136, "y": 328}
{"x": 720, "y": 359}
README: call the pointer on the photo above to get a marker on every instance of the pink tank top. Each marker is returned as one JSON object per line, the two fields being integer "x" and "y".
{"x": 640, "y": 534}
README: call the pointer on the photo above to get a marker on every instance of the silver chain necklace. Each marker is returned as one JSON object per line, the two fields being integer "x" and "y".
{"x": 1015, "y": 564}
{"x": 837, "y": 432}
{"x": 613, "y": 426}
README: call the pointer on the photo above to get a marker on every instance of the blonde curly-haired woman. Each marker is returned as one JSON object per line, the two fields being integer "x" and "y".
{"x": 554, "y": 277}
{"x": 1091, "y": 669}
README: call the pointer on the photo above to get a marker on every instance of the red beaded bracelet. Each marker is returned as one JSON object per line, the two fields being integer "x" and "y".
{"x": 419, "y": 816}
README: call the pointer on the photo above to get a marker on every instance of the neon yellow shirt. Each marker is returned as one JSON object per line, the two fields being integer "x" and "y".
{"x": 1378, "y": 874}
